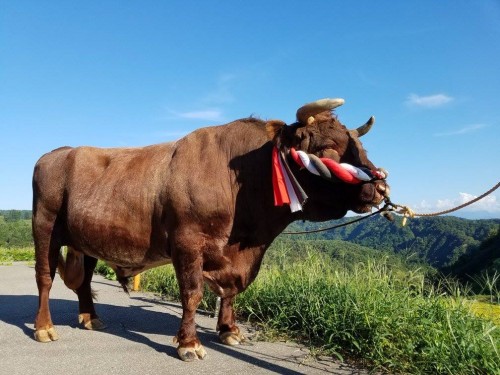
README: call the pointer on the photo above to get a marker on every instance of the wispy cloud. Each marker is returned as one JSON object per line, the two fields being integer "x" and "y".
{"x": 209, "y": 107}
{"x": 206, "y": 115}
{"x": 222, "y": 92}
{"x": 461, "y": 131}
{"x": 430, "y": 101}
{"x": 488, "y": 204}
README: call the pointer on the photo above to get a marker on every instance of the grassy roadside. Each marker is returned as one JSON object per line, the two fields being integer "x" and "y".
{"x": 396, "y": 322}
{"x": 24, "y": 254}
{"x": 390, "y": 318}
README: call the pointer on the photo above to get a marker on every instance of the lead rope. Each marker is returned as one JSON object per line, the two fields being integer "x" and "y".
{"x": 405, "y": 211}
{"x": 409, "y": 213}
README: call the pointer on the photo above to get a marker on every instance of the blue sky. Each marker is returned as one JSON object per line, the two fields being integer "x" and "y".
{"x": 130, "y": 73}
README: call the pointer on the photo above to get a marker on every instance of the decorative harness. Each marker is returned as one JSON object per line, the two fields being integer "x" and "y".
{"x": 287, "y": 189}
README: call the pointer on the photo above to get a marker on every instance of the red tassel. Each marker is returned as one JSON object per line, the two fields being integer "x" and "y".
{"x": 281, "y": 196}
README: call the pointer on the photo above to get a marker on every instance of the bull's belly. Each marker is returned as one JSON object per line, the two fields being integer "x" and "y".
{"x": 128, "y": 247}
{"x": 129, "y": 271}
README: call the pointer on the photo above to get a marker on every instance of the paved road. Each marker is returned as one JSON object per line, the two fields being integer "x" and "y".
{"x": 138, "y": 339}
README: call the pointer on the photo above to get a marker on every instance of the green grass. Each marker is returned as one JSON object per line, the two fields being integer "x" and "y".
{"x": 103, "y": 269}
{"x": 395, "y": 321}
{"x": 162, "y": 280}
{"x": 24, "y": 254}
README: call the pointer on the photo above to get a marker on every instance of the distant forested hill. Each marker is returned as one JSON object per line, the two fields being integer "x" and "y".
{"x": 440, "y": 241}
{"x": 437, "y": 240}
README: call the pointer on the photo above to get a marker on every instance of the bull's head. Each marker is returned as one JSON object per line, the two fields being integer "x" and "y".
{"x": 319, "y": 132}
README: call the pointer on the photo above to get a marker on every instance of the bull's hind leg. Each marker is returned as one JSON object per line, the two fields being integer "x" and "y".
{"x": 47, "y": 247}
{"x": 229, "y": 333}
{"x": 87, "y": 314}
{"x": 187, "y": 259}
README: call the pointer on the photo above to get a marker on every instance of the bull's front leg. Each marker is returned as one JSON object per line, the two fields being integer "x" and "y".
{"x": 188, "y": 264}
{"x": 229, "y": 333}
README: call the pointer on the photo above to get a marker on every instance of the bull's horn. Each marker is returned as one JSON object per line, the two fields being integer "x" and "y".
{"x": 311, "y": 109}
{"x": 363, "y": 129}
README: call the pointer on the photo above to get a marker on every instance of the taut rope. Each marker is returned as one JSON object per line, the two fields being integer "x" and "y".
{"x": 405, "y": 211}
{"x": 409, "y": 213}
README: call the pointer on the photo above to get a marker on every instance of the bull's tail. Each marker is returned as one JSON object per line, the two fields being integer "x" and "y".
{"x": 72, "y": 269}
{"x": 124, "y": 281}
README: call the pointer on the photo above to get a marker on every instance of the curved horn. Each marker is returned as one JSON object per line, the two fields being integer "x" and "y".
{"x": 363, "y": 129}
{"x": 311, "y": 109}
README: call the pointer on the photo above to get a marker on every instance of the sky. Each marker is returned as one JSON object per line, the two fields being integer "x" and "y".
{"x": 133, "y": 73}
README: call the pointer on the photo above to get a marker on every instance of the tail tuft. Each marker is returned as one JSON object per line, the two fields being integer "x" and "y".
{"x": 124, "y": 283}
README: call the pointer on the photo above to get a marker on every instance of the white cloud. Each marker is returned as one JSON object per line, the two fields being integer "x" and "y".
{"x": 430, "y": 101}
{"x": 488, "y": 204}
{"x": 464, "y": 130}
{"x": 206, "y": 115}
{"x": 208, "y": 107}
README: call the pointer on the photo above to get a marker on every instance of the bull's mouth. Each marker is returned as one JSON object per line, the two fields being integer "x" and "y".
{"x": 371, "y": 195}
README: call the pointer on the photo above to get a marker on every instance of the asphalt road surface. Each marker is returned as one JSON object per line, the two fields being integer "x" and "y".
{"x": 138, "y": 339}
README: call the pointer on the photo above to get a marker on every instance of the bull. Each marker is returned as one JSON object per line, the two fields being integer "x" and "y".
{"x": 205, "y": 203}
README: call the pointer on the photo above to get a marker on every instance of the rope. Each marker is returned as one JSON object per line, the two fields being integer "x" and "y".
{"x": 381, "y": 210}
{"x": 405, "y": 211}
{"x": 409, "y": 213}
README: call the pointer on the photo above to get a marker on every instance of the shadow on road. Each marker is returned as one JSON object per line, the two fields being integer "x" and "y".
{"x": 129, "y": 322}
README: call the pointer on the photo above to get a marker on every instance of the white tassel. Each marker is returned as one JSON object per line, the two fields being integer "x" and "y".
{"x": 294, "y": 200}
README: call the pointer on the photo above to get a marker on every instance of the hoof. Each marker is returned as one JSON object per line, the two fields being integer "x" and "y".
{"x": 231, "y": 338}
{"x": 95, "y": 324}
{"x": 189, "y": 354}
{"x": 46, "y": 335}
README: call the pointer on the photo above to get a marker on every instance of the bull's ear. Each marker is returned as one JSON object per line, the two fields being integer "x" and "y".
{"x": 273, "y": 128}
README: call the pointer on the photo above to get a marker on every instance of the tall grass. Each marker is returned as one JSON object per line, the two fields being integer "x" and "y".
{"x": 395, "y": 321}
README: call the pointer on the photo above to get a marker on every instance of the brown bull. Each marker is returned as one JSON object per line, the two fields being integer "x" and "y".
{"x": 204, "y": 203}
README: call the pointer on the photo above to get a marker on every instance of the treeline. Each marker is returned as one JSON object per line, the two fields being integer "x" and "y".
{"x": 439, "y": 241}
{"x": 15, "y": 215}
